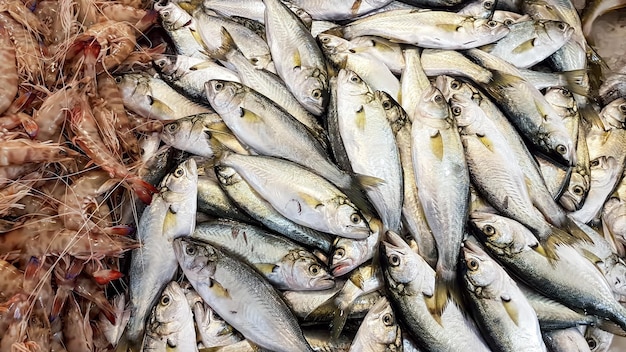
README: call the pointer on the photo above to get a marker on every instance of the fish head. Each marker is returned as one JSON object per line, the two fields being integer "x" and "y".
{"x": 332, "y": 44}
{"x": 396, "y": 115}
{"x": 197, "y": 259}
{"x": 485, "y": 27}
{"x": 183, "y": 179}
{"x": 304, "y": 16}
{"x": 348, "y": 253}
{"x": 464, "y": 111}
{"x": 171, "y": 308}
{"x": 402, "y": 264}
{"x": 164, "y": 64}
{"x": 132, "y": 85}
{"x": 561, "y": 97}
{"x": 557, "y": 31}
{"x": 498, "y": 232}
{"x": 433, "y": 105}
{"x": 346, "y": 220}
{"x": 613, "y": 115}
{"x": 576, "y": 192}
{"x": 480, "y": 270}
{"x": 598, "y": 339}
{"x": 176, "y": 129}
{"x": 223, "y": 95}
{"x": 351, "y": 83}
{"x": 302, "y": 270}
{"x": 382, "y": 324}
{"x": 262, "y": 61}
{"x": 509, "y": 18}
{"x": 172, "y": 16}
{"x": 603, "y": 170}
{"x": 616, "y": 277}
{"x": 614, "y": 218}
{"x": 313, "y": 88}
{"x": 559, "y": 144}
{"x": 226, "y": 175}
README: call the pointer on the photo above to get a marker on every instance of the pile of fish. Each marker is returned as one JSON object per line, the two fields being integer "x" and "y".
{"x": 230, "y": 175}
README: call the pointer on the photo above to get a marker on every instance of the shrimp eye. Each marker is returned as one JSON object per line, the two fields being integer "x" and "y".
{"x": 394, "y": 260}
{"x": 340, "y": 252}
{"x": 579, "y": 191}
{"x": 190, "y": 250}
{"x": 455, "y": 84}
{"x": 314, "y": 269}
{"x": 456, "y": 110}
{"x": 118, "y": 79}
{"x": 355, "y": 79}
{"x": 438, "y": 98}
{"x": 355, "y": 218}
{"x": 179, "y": 172}
{"x": 508, "y": 22}
{"x": 622, "y": 108}
{"x": 592, "y": 343}
{"x": 316, "y": 93}
{"x": 472, "y": 264}
{"x": 561, "y": 149}
{"x": 172, "y": 127}
{"x": 489, "y": 230}
{"x": 165, "y": 300}
{"x": 492, "y": 24}
{"x": 388, "y": 319}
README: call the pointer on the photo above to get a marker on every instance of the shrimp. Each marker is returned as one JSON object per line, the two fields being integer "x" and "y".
{"x": 25, "y": 17}
{"x": 28, "y": 54}
{"x": 8, "y": 71}
{"x": 11, "y": 195}
{"x": 51, "y": 115}
{"x": 38, "y": 331}
{"x": 86, "y": 136}
{"x": 124, "y": 13}
{"x": 141, "y": 59}
{"x": 10, "y": 173}
{"x": 22, "y": 151}
{"x": 112, "y": 101}
{"x": 77, "y": 330}
{"x": 15, "y": 332}
{"x": 116, "y": 39}
{"x": 10, "y": 280}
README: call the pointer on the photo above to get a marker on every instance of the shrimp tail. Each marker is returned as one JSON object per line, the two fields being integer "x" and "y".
{"x": 105, "y": 276}
{"x": 143, "y": 189}
{"x": 120, "y": 230}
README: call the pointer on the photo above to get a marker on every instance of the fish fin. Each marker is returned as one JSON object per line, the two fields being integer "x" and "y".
{"x": 199, "y": 40}
{"x": 218, "y": 288}
{"x": 486, "y": 142}
{"x": 360, "y": 118}
{"x": 525, "y": 46}
{"x": 354, "y": 9}
{"x": 339, "y": 321}
{"x": 160, "y": 106}
{"x": 249, "y": 116}
{"x": 297, "y": 60}
{"x": 448, "y": 27}
{"x": 557, "y": 237}
{"x": 591, "y": 116}
{"x": 228, "y": 45}
{"x": 504, "y": 79}
{"x": 368, "y": 181}
{"x": 441, "y": 296}
{"x": 328, "y": 305}
{"x": 142, "y": 189}
{"x": 266, "y": 268}
{"x": 436, "y": 145}
{"x": 609, "y": 326}
{"x": 540, "y": 110}
{"x": 591, "y": 256}
{"x": 575, "y": 231}
{"x": 310, "y": 200}
{"x": 539, "y": 249}
{"x": 511, "y": 309}
{"x": 574, "y": 79}
{"x": 201, "y": 65}
{"x": 488, "y": 48}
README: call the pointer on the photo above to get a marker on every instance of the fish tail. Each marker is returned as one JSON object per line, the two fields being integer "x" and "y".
{"x": 575, "y": 231}
{"x": 591, "y": 116}
{"x": 444, "y": 287}
{"x": 228, "y": 45}
{"x": 575, "y": 81}
{"x": 547, "y": 244}
{"x": 609, "y": 326}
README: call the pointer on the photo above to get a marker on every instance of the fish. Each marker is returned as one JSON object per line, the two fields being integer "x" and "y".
{"x": 333, "y": 11}
{"x": 298, "y": 59}
{"x": 171, "y": 214}
{"x": 570, "y": 339}
{"x": 182, "y": 28}
{"x": 241, "y": 296}
{"x": 203, "y": 135}
{"x": 310, "y": 201}
{"x": 379, "y": 330}
{"x": 442, "y": 179}
{"x": 286, "y": 265}
{"x": 596, "y": 10}
{"x": 348, "y": 253}
{"x": 504, "y": 313}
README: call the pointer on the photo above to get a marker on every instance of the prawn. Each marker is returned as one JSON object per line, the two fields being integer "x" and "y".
{"x": 8, "y": 71}
{"x": 51, "y": 115}
{"x": 25, "y": 17}
{"x": 113, "y": 102}
{"x": 11, "y": 195}
{"x": 27, "y": 51}
{"x": 22, "y": 151}
{"x": 10, "y": 280}
{"x": 76, "y": 327}
{"x": 15, "y": 115}
{"x": 86, "y": 136}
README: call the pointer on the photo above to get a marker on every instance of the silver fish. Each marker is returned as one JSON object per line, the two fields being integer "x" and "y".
{"x": 182, "y": 29}
{"x": 379, "y": 330}
{"x": 565, "y": 340}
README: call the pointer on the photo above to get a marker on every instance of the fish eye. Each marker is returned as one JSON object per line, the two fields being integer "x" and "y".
{"x": 172, "y": 127}
{"x": 566, "y": 92}
{"x": 190, "y": 250}
{"x": 594, "y": 163}
{"x": 592, "y": 343}
{"x": 472, "y": 264}
{"x": 488, "y": 5}
{"x": 388, "y": 319}
{"x": 316, "y": 93}
{"x": 165, "y": 14}
{"x": 492, "y": 24}
{"x": 386, "y": 105}
{"x": 438, "y": 98}
{"x": 455, "y": 84}
{"x": 561, "y": 149}
{"x": 489, "y": 230}
{"x": 394, "y": 260}
{"x": 508, "y": 22}
{"x": 314, "y": 269}
{"x": 165, "y": 300}
{"x": 340, "y": 252}
{"x": 218, "y": 86}
{"x": 579, "y": 191}
{"x": 118, "y": 79}
{"x": 355, "y": 79}
{"x": 254, "y": 60}
{"x": 355, "y": 218}
{"x": 456, "y": 110}
{"x": 325, "y": 40}
{"x": 622, "y": 108}
{"x": 179, "y": 172}
{"x": 561, "y": 26}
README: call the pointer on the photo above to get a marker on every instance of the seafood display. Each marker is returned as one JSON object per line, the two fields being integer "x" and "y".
{"x": 290, "y": 175}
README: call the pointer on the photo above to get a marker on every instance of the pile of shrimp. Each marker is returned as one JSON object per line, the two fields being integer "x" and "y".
{"x": 70, "y": 167}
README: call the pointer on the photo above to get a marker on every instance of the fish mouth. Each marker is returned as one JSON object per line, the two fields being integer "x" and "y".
{"x": 471, "y": 247}
{"x": 341, "y": 268}
{"x": 394, "y": 240}
{"x": 324, "y": 283}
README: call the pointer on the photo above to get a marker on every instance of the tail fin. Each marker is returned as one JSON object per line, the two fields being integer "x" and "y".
{"x": 558, "y": 237}
{"x": 591, "y": 116}
{"x": 228, "y": 45}
{"x": 105, "y": 276}
{"x": 444, "y": 287}
{"x": 609, "y": 326}
{"x": 575, "y": 80}
{"x": 578, "y": 233}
